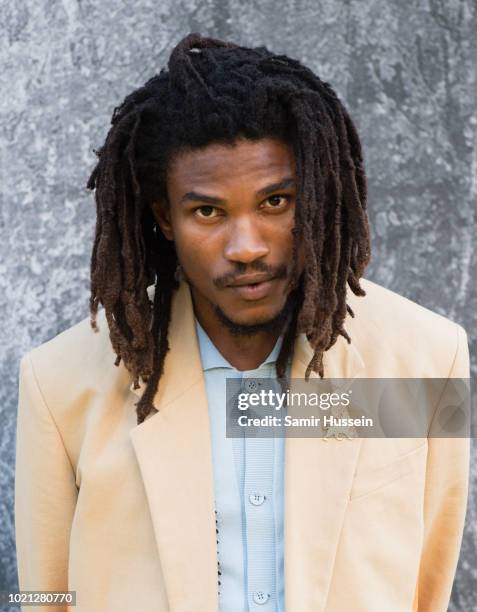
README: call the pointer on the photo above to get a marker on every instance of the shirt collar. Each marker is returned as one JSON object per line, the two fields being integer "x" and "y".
{"x": 212, "y": 358}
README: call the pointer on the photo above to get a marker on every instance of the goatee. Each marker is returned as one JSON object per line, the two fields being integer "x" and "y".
{"x": 274, "y": 325}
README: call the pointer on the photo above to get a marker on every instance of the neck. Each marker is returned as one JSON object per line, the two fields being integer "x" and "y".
{"x": 243, "y": 353}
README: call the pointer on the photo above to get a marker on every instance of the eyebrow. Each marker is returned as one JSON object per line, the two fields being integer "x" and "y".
{"x": 195, "y": 196}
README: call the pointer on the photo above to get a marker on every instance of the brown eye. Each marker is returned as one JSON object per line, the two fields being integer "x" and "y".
{"x": 206, "y": 212}
{"x": 277, "y": 201}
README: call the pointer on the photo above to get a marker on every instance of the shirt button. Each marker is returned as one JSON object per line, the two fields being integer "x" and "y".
{"x": 257, "y": 500}
{"x": 251, "y": 385}
{"x": 260, "y": 597}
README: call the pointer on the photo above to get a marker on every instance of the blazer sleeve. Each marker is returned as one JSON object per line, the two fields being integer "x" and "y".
{"x": 45, "y": 494}
{"x": 445, "y": 502}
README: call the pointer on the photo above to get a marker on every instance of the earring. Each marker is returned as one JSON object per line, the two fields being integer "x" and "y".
{"x": 179, "y": 274}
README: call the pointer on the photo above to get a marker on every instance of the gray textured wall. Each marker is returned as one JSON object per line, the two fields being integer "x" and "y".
{"x": 406, "y": 70}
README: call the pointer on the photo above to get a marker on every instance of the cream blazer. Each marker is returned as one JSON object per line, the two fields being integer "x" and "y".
{"x": 124, "y": 513}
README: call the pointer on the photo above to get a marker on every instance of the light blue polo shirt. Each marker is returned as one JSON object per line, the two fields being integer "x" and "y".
{"x": 248, "y": 483}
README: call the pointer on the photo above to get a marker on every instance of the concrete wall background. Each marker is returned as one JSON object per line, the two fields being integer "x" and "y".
{"x": 405, "y": 70}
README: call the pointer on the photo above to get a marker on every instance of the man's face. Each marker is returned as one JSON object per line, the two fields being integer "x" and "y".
{"x": 231, "y": 215}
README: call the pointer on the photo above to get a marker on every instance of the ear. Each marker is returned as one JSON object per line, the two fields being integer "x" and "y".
{"x": 161, "y": 211}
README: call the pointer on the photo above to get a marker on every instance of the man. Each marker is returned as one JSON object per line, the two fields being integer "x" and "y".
{"x": 231, "y": 227}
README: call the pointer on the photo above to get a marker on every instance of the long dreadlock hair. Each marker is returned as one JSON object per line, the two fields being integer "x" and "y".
{"x": 216, "y": 91}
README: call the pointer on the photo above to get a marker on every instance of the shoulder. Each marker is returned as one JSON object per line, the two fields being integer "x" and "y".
{"x": 74, "y": 347}
{"x": 77, "y": 364}
{"x": 394, "y": 332}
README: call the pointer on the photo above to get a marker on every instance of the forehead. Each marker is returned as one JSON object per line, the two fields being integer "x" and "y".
{"x": 223, "y": 165}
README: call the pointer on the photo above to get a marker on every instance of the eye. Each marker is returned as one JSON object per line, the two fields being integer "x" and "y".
{"x": 207, "y": 212}
{"x": 277, "y": 201}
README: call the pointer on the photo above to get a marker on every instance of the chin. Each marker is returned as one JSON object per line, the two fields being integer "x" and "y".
{"x": 256, "y": 320}
{"x": 252, "y": 314}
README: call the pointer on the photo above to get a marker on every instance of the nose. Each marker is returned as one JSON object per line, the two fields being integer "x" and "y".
{"x": 245, "y": 242}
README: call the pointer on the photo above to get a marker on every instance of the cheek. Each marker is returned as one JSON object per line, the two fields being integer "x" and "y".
{"x": 197, "y": 249}
{"x": 281, "y": 233}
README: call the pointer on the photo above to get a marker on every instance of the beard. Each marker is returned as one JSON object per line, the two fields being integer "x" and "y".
{"x": 274, "y": 325}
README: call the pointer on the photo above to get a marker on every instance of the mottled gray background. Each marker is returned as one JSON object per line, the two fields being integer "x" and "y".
{"x": 406, "y": 70}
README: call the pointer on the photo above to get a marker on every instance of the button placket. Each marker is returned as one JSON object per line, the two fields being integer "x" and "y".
{"x": 259, "y": 520}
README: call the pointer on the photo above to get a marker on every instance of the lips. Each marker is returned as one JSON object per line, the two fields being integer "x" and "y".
{"x": 251, "y": 279}
{"x": 253, "y": 291}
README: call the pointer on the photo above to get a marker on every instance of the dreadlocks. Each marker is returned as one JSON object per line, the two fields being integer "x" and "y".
{"x": 215, "y": 91}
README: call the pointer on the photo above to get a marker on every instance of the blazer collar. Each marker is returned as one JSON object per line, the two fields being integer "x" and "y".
{"x": 173, "y": 449}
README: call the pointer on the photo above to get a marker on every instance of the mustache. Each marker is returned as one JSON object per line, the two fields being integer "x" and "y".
{"x": 222, "y": 281}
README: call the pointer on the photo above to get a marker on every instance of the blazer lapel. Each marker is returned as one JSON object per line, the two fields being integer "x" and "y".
{"x": 174, "y": 455}
{"x": 173, "y": 450}
{"x": 318, "y": 478}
